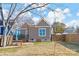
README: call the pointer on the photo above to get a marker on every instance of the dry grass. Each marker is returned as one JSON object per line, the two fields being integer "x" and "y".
{"x": 38, "y": 48}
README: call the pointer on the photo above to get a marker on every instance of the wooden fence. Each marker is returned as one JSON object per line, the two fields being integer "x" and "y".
{"x": 9, "y": 40}
{"x": 66, "y": 37}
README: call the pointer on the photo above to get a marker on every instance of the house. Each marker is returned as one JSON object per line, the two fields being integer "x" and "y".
{"x": 9, "y": 37}
{"x": 69, "y": 30}
{"x": 36, "y": 32}
{"x": 1, "y": 27}
{"x": 24, "y": 31}
{"x": 1, "y": 31}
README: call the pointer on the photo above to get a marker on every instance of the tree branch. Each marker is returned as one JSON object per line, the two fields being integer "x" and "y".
{"x": 28, "y": 6}
{"x": 35, "y": 8}
{"x": 1, "y": 12}
{"x": 10, "y": 10}
{"x": 11, "y": 13}
{"x": 24, "y": 12}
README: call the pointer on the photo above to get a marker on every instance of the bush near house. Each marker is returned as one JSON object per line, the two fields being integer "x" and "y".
{"x": 58, "y": 27}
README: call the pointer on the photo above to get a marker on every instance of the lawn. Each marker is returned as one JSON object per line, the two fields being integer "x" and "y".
{"x": 37, "y": 43}
{"x": 71, "y": 45}
{"x": 8, "y": 50}
{"x": 39, "y": 48}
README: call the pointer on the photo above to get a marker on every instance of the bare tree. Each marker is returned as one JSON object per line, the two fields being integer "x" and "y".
{"x": 12, "y": 9}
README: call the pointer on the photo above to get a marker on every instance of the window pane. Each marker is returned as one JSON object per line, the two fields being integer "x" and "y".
{"x": 42, "y": 32}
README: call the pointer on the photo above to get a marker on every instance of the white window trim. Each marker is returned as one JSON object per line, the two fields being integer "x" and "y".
{"x": 39, "y": 32}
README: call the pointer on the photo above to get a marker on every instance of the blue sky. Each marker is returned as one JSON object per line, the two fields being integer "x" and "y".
{"x": 71, "y": 11}
{"x": 73, "y": 7}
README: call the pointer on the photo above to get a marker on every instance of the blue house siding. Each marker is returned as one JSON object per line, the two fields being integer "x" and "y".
{"x": 1, "y": 30}
{"x": 1, "y": 27}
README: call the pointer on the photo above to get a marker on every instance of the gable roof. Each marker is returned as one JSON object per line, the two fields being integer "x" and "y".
{"x": 69, "y": 30}
{"x": 25, "y": 25}
{"x": 29, "y": 21}
{"x": 42, "y": 20}
{"x": 37, "y": 24}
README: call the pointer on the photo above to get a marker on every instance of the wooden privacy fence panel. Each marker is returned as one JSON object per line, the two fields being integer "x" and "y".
{"x": 66, "y": 37}
{"x": 56, "y": 37}
{"x": 1, "y": 40}
{"x": 9, "y": 39}
{"x": 72, "y": 37}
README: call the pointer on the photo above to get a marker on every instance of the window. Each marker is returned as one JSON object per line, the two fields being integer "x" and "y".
{"x": 42, "y": 32}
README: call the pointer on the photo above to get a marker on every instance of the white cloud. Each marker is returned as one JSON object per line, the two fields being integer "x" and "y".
{"x": 38, "y": 9}
{"x": 57, "y": 16}
{"x": 50, "y": 17}
{"x": 41, "y": 9}
{"x": 51, "y": 14}
{"x": 58, "y": 9}
{"x": 35, "y": 19}
{"x": 73, "y": 23}
{"x": 28, "y": 14}
{"x": 77, "y": 13}
{"x": 66, "y": 10}
{"x": 58, "y": 13}
{"x": 5, "y": 13}
{"x": 61, "y": 14}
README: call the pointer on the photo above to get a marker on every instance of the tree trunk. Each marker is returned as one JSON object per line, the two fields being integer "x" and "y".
{"x": 5, "y": 40}
{"x": 5, "y": 35}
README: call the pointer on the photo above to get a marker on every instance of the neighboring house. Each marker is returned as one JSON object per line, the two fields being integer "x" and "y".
{"x": 70, "y": 30}
{"x": 77, "y": 29}
{"x": 9, "y": 38}
{"x": 1, "y": 27}
{"x": 39, "y": 32}
{"x": 1, "y": 31}
{"x": 25, "y": 31}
